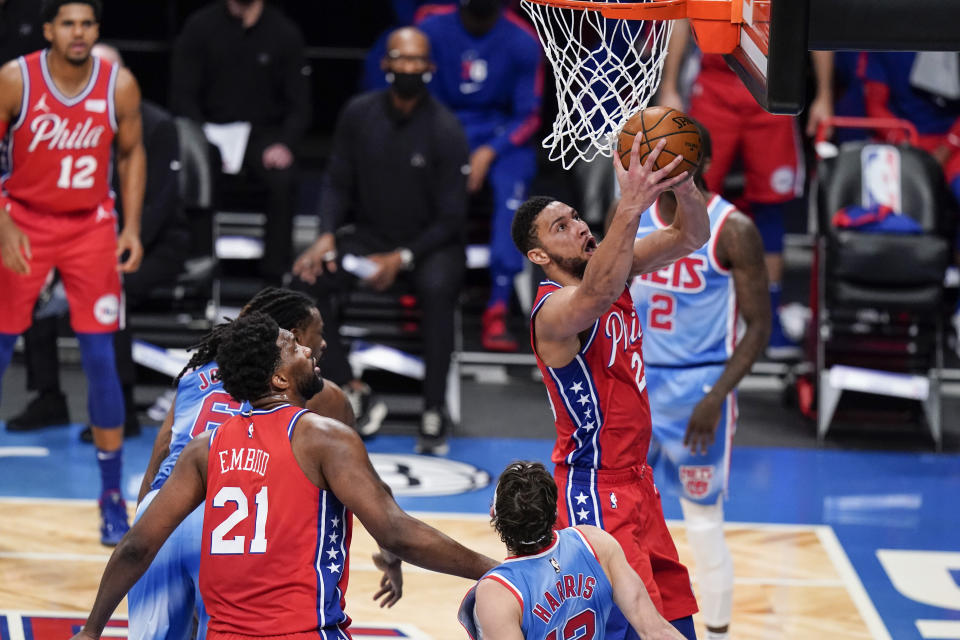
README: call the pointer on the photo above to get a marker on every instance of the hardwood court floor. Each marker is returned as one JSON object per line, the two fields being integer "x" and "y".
{"x": 790, "y": 580}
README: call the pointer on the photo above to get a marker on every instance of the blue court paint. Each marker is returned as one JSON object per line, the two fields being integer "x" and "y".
{"x": 903, "y": 502}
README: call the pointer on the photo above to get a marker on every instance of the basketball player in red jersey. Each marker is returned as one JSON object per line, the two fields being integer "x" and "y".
{"x": 62, "y": 110}
{"x": 587, "y": 338}
{"x": 280, "y": 485}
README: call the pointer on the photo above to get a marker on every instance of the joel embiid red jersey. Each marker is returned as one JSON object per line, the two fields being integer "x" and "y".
{"x": 60, "y": 148}
{"x": 275, "y": 547}
{"x": 599, "y": 399}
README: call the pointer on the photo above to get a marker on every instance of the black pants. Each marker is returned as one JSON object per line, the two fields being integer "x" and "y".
{"x": 281, "y": 186}
{"x": 436, "y": 280}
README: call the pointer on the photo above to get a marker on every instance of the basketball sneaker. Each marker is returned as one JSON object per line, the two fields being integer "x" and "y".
{"x": 369, "y": 411}
{"x": 434, "y": 426}
{"x": 48, "y": 409}
{"x": 495, "y": 335}
{"x": 781, "y": 347}
{"x": 113, "y": 517}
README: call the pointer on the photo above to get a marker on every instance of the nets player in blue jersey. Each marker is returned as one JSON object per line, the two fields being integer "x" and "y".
{"x": 556, "y": 584}
{"x": 706, "y": 319}
{"x": 162, "y": 602}
{"x": 490, "y": 73}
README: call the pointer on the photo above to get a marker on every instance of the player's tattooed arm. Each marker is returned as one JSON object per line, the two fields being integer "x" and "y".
{"x": 740, "y": 249}
{"x": 161, "y": 449}
{"x": 183, "y": 491}
{"x": 333, "y": 457}
{"x": 689, "y": 231}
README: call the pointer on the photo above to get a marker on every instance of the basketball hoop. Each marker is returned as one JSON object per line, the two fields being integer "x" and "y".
{"x": 607, "y": 58}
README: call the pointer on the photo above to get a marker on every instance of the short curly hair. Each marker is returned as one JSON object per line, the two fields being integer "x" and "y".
{"x": 522, "y": 229}
{"x": 247, "y": 356}
{"x": 525, "y": 507}
{"x": 50, "y": 8}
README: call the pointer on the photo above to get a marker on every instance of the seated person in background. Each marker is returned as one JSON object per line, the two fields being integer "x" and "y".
{"x": 242, "y": 61}
{"x": 398, "y": 163}
{"x": 909, "y": 85}
{"x": 490, "y": 73}
{"x": 519, "y": 598}
{"x": 165, "y": 238}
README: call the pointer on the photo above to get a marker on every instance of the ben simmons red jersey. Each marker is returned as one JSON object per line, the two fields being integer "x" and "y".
{"x": 275, "y": 547}
{"x": 599, "y": 400}
{"x": 60, "y": 148}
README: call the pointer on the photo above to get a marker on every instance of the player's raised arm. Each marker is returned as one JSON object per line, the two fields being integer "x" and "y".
{"x": 180, "y": 495}
{"x": 689, "y": 231}
{"x": 574, "y": 308}
{"x": 337, "y": 455}
{"x": 628, "y": 590}
{"x": 131, "y": 168}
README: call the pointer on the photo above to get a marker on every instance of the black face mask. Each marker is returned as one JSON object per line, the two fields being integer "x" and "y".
{"x": 481, "y": 9}
{"x": 409, "y": 85}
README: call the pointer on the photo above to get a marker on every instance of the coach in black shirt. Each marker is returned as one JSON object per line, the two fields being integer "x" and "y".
{"x": 242, "y": 61}
{"x": 395, "y": 191}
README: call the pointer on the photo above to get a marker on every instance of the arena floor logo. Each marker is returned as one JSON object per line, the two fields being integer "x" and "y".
{"x": 423, "y": 476}
{"x": 58, "y": 626}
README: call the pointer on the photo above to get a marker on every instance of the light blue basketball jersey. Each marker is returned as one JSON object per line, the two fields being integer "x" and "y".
{"x": 562, "y": 590}
{"x": 688, "y": 309}
{"x": 201, "y": 405}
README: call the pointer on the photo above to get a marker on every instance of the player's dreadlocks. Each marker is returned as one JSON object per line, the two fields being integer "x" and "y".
{"x": 525, "y": 507}
{"x": 289, "y": 309}
{"x": 248, "y": 355}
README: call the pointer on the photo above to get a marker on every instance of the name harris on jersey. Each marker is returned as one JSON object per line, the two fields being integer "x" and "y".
{"x": 568, "y": 586}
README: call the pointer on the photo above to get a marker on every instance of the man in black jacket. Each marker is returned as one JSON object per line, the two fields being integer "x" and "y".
{"x": 242, "y": 61}
{"x": 398, "y": 165}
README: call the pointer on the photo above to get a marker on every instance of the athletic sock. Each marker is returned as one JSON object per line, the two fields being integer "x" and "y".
{"x": 111, "y": 468}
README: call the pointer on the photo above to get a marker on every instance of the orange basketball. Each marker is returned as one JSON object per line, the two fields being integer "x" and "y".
{"x": 679, "y": 130}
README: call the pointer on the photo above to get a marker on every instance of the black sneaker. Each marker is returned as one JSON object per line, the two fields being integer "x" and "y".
{"x": 131, "y": 428}
{"x": 434, "y": 426}
{"x": 369, "y": 411}
{"x": 48, "y": 409}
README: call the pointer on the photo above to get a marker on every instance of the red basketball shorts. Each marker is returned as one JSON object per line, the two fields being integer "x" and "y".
{"x": 83, "y": 248}
{"x": 769, "y": 146}
{"x": 626, "y": 504}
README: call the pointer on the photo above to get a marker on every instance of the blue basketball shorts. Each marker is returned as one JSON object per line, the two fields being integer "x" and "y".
{"x": 673, "y": 393}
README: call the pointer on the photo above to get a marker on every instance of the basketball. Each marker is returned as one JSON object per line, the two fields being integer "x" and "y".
{"x": 679, "y": 130}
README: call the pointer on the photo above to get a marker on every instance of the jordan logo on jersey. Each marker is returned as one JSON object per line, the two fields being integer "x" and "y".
{"x": 41, "y": 104}
{"x": 55, "y": 130}
{"x": 684, "y": 276}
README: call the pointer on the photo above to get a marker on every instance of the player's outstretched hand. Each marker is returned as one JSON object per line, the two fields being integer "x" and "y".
{"x": 14, "y": 245}
{"x": 641, "y": 184}
{"x": 702, "y": 427}
{"x": 391, "y": 583}
{"x": 129, "y": 243}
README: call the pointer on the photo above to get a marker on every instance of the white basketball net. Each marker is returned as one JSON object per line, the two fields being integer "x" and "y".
{"x": 606, "y": 69}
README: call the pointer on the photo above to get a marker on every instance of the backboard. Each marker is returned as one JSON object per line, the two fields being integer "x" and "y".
{"x": 771, "y": 56}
